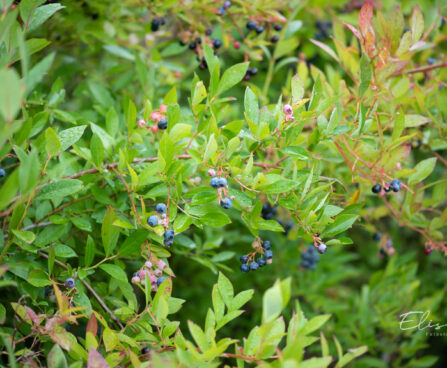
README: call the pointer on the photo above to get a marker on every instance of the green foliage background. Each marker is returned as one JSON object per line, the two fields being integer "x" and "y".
{"x": 76, "y": 77}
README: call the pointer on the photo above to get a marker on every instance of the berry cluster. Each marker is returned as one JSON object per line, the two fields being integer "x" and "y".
{"x": 310, "y": 258}
{"x": 163, "y": 220}
{"x": 152, "y": 271}
{"x": 268, "y": 212}
{"x": 323, "y": 29}
{"x": 386, "y": 245}
{"x": 252, "y": 26}
{"x": 221, "y": 185}
{"x": 223, "y": 8}
{"x": 157, "y": 116}
{"x": 194, "y": 42}
{"x": 388, "y": 187}
{"x": 156, "y": 23}
{"x": 248, "y": 260}
{"x": 288, "y": 111}
{"x": 251, "y": 72}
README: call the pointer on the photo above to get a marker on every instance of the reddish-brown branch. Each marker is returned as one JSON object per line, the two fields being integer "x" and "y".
{"x": 426, "y": 68}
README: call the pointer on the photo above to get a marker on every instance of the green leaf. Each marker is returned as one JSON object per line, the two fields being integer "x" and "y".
{"x": 314, "y": 324}
{"x": 199, "y": 93}
{"x": 274, "y": 300}
{"x": 225, "y": 288}
{"x": 251, "y": 106}
{"x": 210, "y": 149}
{"x": 351, "y": 355}
{"x": 10, "y": 97}
{"x": 109, "y": 233}
{"x": 37, "y": 73}
{"x": 297, "y": 152}
{"x": 38, "y": 278}
{"x": 165, "y": 153}
{"x": 423, "y": 169}
{"x": 115, "y": 271}
{"x": 297, "y": 88}
{"x": 9, "y": 189}
{"x": 232, "y": 76}
{"x": 61, "y": 188}
{"x": 97, "y": 150}
{"x": 52, "y": 143}
{"x": 416, "y": 24}
{"x": 341, "y": 223}
{"x": 70, "y": 136}
{"x": 365, "y": 74}
{"x": 399, "y": 124}
{"x": 316, "y": 362}
{"x": 41, "y": 14}
{"x": 240, "y": 299}
{"x": 56, "y": 358}
{"x": 317, "y": 93}
{"x": 90, "y": 249}
{"x": 280, "y": 186}
{"x": 133, "y": 242}
{"x": 26, "y": 236}
{"x": 198, "y": 336}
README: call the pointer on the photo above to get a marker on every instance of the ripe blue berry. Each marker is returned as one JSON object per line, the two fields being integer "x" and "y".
{"x": 268, "y": 254}
{"x": 259, "y": 29}
{"x": 251, "y": 25}
{"x": 252, "y": 71}
{"x": 387, "y": 187}
{"x": 146, "y": 350}
{"x": 160, "y": 208}
{"x": 155, "y": 24}
{"x": 377, "y": 236}
{"x": 266, "y": 245}
{"x": 274, "y": 39}
{"x": 217, "y": 43}
{"x": 221, "y": 11}
{"x": 383, "y": 253}
{"x": 152, "y": 221}
{"x": 70, "y": 283}
{"x": 305, "y": 263}
{"x": 254, "y": 266}
{"x": 160, "y": 280}
{"x": 163, "y": 124}
{"x": 192, "y": 45}
{"x": 214, "y": 182}
{"x": 261, "y": 262}
{"x": 244, "y": 258}
{"x": 168, "y": 243}
{"x": 2, "y": 173}
{"x": 322, "y": 248}
{"x": 226, "y": 203}
{"x": 431, "y": 61}
{"x": 208, "y": 31}
{"x": 376, "y": 188}
{"x": 244, "y": 268}
{"x": 226, "y": 4}
{"x": 389, "y": 243}
{"x": 222, "y": 182}
{"x": 277, "y": 27}
{"x": 169, "y": 235}
{"x": 395, "y": 185}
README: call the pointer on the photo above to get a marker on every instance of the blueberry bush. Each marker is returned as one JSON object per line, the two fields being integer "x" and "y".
{"x": 222, "y": 183}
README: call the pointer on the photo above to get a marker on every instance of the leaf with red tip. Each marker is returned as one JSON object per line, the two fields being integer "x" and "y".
{"x": 95, "y": 360}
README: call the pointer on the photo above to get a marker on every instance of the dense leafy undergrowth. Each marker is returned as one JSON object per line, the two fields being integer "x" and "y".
{"x": 215, "y": 183}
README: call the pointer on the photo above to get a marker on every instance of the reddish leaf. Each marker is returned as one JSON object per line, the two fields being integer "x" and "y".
{"x": 92, "y": 325}
{"x": 95, "y": 360}
{"x": 33, "y": 316}
{"x": 365, "y": 18}
{"x": 353, "y": 30}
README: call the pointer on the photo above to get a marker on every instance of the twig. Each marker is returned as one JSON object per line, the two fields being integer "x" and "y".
{"x": 89, "y": 288}
{"x": 425, "y": 68}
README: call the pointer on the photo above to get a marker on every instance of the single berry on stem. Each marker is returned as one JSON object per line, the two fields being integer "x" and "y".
{"x": 226, "y": 203}
{"x": 266, "y": 245}
{"x": 376, "y": 188}
{"x": 163, "y": 124}
{"x": 214, "y": 182}
{"x": 244, "y": 258}
{"x": 222, "y": 182}
{"x": 160, "y": 280}
{"x": 152, "y": 221}
{"x": 268, "y": 254}
{"x": 322, "y": 248}
{"x": 261, "y": 262}
{"x": 169, "y": 234}
{"x": 244, "y": 268}
{"x": 70, "y": 283}
{"x": 254, "y": 266}
{"x": 160, "y": 208}
{"x": 251, "y": 25}
{"x": 2, "y": 173}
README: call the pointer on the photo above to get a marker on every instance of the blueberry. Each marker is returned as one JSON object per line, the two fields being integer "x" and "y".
{"x": 217, "y": 43}
{"x": 146, "y": 350}
{"x": 377, "y": 236}
{"x": 70, "y": 283}
{"x": 261, "y": 262}
{"x": 431, "y": 61}
{"x": 395, "y": 185}
{"x": 387, "y": 187}
{"x": 274, "y": 39}
{"x": 251, "y": 25}
{"x": 226, "y": 203}
{"x": 252, "y": 71}
{"x": 389, "y": 243}
{"x": 155, "y": 25}
{"x": 259, "y": 29}
{"x": 322, "y": 248}
{"x": 268, "y": 254}
{"x": 169, "y": 235}
{"x": 305, "y": 263}
{"x": 2, "y": 173}
{"x": 214, "y": 182}
{"x": 376, "y": 188}
{"x": 192, "y": 45}
{"x": 226, "y": 4}
{"x": 244, "y": 258}
{"x": 266, "y": 245}
{"x": 254, "y": 266}
{"x": 208, "y": 31}
{"x": 168, "y": 243}
{"x": 383, "y": 253}
{"x": 222, "y": 182}
{"x": 221, "y": 11}
{"x": 244, "y": 268}
{"x": 152, "y": 221}
{"x": 162, "y": 21}
{"x": 160, "y": 208}
{"x": 277, "y": 27}
{"x": 311, "y": 266}
{"x": 160, "y": 280}
{"x": 163, "y": 124}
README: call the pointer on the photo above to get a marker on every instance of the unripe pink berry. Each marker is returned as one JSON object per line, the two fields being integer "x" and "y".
{"x": 161, "y": 264}
{"x": 287, "y": 109}
{"x": 153, "y": 279}
{"x": 290, "y": 118}
{"x": 236, "y": 45}
{"x": 153, "y": 287}
{"x": 158, "y": 272}
{"x": 135, "y": 280}
{"x": 232, "y": 198}
{"x": 156, "y": 116}
{"x": 398, "y": 166}
{"x": 141, "y": 123}
{"x": 148, "y": 264}
{"x": 212, "y": 172}
{"x": 391, "y": 251}
{"x": 154, "y": 129}
{"x": 163, "y": 108}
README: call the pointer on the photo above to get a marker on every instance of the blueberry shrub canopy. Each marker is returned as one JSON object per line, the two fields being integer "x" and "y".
{"x": 222, "y": 183}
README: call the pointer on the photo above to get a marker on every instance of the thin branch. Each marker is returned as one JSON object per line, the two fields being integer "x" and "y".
{"x": 426, "y": 68}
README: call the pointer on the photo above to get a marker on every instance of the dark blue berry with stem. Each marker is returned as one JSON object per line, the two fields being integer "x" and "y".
{"x": 222, "y": 182}
{"x": 395, "y": 185}
{"x": 214, "y": 182}
{"x": 160, "y": 280}
{"x": 244, "y": 268}
{"x": 251, "y": 25}
{"x": 169, "y": 235}
{"x": 322, "y": 248}
{"x": 226, "y": 203}
{"x": 226, "y": 4}
{"x": 152, "y": 221}
{"x": 70, "y": 283}
{"x": 163, "y": 124}
{"x": 376, "y": 188}
{"x": 261, "y": 262}
{"x": 244, "y": 258}
{"x": 254, "y": 266}
{"x": 268, "y": 254}
{"x": 2, "y": 173}
{"x": 377, "y": 236}
{"x": 266, "y": 244}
